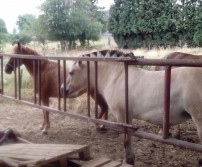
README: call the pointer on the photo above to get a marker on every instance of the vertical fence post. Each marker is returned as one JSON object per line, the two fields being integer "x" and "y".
{"x": 59, "y": 83}
{"x": 166, "y": 102}
{"x": 19, "y": 80}
{"x": 39, "y": 80}
{"x": 15, "y": 78}
{"x": 2, "y": 80}
{"x": 96, "y": 87}
{"x": 88, "y": 88}
{"x": 126, "y": 92}
{"x": 64, "y": 75}
{"x": 35, "y": 81}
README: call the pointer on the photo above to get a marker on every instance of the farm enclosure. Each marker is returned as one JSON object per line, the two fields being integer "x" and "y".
{"x": 143, "y": 61}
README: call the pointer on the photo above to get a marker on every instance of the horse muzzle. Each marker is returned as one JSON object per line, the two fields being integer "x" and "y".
{"x": 64, "y": 91}
{"x": 8, "y": 69}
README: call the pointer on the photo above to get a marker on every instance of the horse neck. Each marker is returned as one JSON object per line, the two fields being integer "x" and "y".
{"x": 30, "y": 66}
{"x": 106, "y": 72}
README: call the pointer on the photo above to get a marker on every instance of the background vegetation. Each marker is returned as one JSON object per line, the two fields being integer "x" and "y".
{"x": 153, "y": 23}
{"x": 72, "y": 23}
{"x": 133, "y": 24}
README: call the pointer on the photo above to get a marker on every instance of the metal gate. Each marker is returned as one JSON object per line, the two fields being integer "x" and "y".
{"x": 122, "y": 127}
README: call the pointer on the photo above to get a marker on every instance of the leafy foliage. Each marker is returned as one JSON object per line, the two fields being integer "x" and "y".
{"x": 22, "y": 38}
{"x": 149, "y": 23}
{"x": 71, "y": 20}
{"x": 3, "y": 34}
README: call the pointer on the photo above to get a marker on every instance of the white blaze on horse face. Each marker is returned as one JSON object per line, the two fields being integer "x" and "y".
{"x": 77, "y": 80}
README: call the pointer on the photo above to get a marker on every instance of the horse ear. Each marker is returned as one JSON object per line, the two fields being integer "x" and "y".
{"x": 19, "y": 45}
{"x": 80, "y": 63}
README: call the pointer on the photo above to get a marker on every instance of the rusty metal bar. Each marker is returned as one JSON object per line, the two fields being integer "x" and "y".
{"x": 59, "y": 82}
{"x": 2, "y": 80}
{"x": 96, "y": 87}
{"x": 64, "y": 75}
{"x": 35, "y": 81}
{"x": 15, "y": 78}
{"x": 88, "y": 88}
{"x": 19, "y": 79}
{"x": 39, "y": 80}
{"x": 117, "y": 126}
{"x": 166, "y": 102}
{"x": 167, "y": 62}
{"x": 156, "y": 62}
{"x": 126, "y": 93}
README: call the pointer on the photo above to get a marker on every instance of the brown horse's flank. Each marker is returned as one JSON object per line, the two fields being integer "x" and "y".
{"x": 177, "y": 55}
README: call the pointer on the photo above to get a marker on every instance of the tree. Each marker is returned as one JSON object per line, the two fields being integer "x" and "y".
{"x": 143, "y": 23}
{"x": 198, "y": 27}
{"x": 25, "y": 23}
{"x": 39, "y": 29}
{"x": 68, "y": 20}
{"x": 3, "y": 34}
{"x": 153, "y": 23}
{"x": 22, "y": 38}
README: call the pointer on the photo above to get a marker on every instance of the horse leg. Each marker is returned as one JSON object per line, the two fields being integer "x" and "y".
{"x": 198, "y": 122}
{"x": 176, "y": 133}
{"x": 103, "y": 113}
{"x": 47, "y": 122}
{"x": 129, "y": 154}
{"x": 46, "y": 117}
{"x": 43, "y": 124}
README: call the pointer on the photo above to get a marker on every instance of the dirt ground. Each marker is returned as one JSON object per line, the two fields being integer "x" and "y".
{"x": 64, "y": 130}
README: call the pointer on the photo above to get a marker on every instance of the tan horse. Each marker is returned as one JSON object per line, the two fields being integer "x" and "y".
{"x": 185, "y": 95}
{"x": 49, "y": 80}
{"x": 177, "y": 55}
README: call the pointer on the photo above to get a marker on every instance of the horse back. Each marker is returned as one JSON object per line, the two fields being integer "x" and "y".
{"x": 177, "y": 55}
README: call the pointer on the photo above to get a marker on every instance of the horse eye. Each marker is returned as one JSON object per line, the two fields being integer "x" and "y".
{"x": 71, "y": 73}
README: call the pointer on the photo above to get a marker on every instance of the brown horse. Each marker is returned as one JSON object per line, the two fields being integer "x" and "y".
{"x": 49, "y": 80}
{"x": 177, "y": 55}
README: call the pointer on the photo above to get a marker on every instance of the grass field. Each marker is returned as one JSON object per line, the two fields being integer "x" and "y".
{"x": 52, "y": 50}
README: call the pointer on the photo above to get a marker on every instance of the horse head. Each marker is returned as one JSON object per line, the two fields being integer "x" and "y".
{"x": 12, "y": 63}
{"x": 76, "y": 82}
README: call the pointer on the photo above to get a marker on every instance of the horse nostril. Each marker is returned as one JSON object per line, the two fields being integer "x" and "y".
{"x": 63, "y": 91}
{"x": 7, "y": 71}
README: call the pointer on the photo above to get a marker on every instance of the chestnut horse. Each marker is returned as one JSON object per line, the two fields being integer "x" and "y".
{"x": 177, "y": 55}
{"x": 143, "y": 85}
{"x": 49, "y": 80}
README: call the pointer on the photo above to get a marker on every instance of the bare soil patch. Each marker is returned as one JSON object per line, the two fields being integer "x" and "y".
{"x": 64, "y": 130}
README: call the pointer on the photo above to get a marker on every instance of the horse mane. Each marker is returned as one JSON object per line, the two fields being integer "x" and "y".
{"x": 31, "y": 51}
{"x": 112, "y": 53}
{"x": 24, "y": 50}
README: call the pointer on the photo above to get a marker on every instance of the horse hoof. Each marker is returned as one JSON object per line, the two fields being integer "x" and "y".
{"x": 200, "y": 162}
{"x": 101, "y": 129}
{"x": 41, "y": 127}
{"x": 44, "y": 132}
{"x": 129, "y": 161}
{"x": 176, "y": 136}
